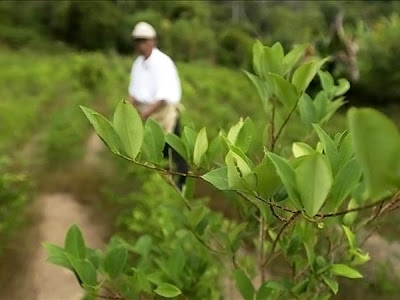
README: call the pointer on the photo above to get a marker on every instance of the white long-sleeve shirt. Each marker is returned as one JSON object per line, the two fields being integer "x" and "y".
{"x": 155, "y": 78}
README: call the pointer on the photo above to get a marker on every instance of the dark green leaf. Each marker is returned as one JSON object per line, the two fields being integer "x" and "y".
{"x": 288, "y": 178}
{"x": 345, "y": 182}
{"x": 177, "y": 144}
{"x": 244, "y": 284}
{"x": 84, "y": 269}
{"x": 268, "y": 181}
{"x": 115, "y": 261}
{"x": 285, "y": 91}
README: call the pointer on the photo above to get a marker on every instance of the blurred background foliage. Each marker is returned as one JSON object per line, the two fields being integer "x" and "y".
{"x": 217, "y": 32}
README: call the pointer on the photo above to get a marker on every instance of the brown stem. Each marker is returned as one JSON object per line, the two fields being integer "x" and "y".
{"x": 153, "y": 167}
{"x": 261, "y": 253}
{"x": 289, "y": 222}
{"x": 273, "y": 125}
{"x": 284, "y": 124}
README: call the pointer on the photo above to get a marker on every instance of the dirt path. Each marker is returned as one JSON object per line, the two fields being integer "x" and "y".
{"x": 29, "y": 276}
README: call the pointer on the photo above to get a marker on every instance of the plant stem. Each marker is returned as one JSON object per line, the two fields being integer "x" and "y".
{"x": 284, "y": 124}
{"x": 261, "y": 252}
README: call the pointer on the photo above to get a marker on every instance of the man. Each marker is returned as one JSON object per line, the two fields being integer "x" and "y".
{"x": 155, "y": 88}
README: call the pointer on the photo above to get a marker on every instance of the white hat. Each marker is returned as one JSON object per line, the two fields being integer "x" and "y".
{"x": 143, "y": 30}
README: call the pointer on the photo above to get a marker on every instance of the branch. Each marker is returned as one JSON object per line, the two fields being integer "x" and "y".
{"x": 155, "y": 168}
{"x": 109, "y": 297}
{"x": 289, "y": 222}
{"x": 284, "y": 124}
{"x": 343, "y": 212}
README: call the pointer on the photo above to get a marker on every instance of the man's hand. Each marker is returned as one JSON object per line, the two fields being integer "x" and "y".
{"x": 152, "y": 109}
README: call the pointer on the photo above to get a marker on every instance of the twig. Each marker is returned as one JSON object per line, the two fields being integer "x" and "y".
{"x": 273, "y": 124}
{"x": 109, "y": 297}
{"x": 276, "y": 215}
{"x": 261, "y": 253}
{"x": 289, "y": 222}
{"x": 153, "y": 167}
{"x": 284, "y": 124}
{"x": 205, "y": 245}
{"x": 343, "y": 212}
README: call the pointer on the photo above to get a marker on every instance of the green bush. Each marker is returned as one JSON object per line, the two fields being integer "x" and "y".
{"x": 15, "y": 189}
{"x": 379, "y": 62}
{"x": 234, "y": 48}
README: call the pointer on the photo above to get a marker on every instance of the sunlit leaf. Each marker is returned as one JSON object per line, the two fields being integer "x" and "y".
{"x": 129, "y": 128}
{"x": 314, "y": 181}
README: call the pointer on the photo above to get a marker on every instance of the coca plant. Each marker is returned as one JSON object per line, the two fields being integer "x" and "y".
{"x": 304, "y": 213}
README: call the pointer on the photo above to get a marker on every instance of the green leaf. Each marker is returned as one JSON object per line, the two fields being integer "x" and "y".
{"x": 376, "y": 143}
{"x": 200, "y": 147}
{"x": 240, "y": 176}
{"x": 143, "y": 245}
{"x": 308, "y": 112}
{"x": 129, "y": 127}
{"x": 345, "y": 271}
{"x": 244, "y": 284}
{"x": 74, "y": 243}
{"x": 267, "y": 288}
{"x": 321, "y": 103}
{"x": 285, "y": 91}
{"x": 218, "y": 178}
{"x": 293, "y": 57}
{"x": 85, "y": 270}
{"x": 176, "y": 263}
{"x": 104, "y": 129}
{"x": 154, "y": 141}
{"x": 331, "y": 283}
{"x": 189, "y": 137}
{"x": 327, "y": 82}
{"x": 245, "y": 135}
{"x": 262, "y": 88}
{"x": 351, "y": 238}
{"x": 314, "y": 181}
{"x": 258, "y": 52}
{"x": 288, "y": 178}
{"x": 235, "y": 236}
{"x": 329, "y": 148}
{"x": 304, "y": 74}
{"x": 177, "y": 144}
{"x": 301, "y": 149}
{"x": 268, "y": 181}
{"x": 57, "y": 256}
{"x": 344, "y": 183}
{"x": 342, "y": 88}
{"x": 115, "y": 261}
{"x": 167, "y": 290}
